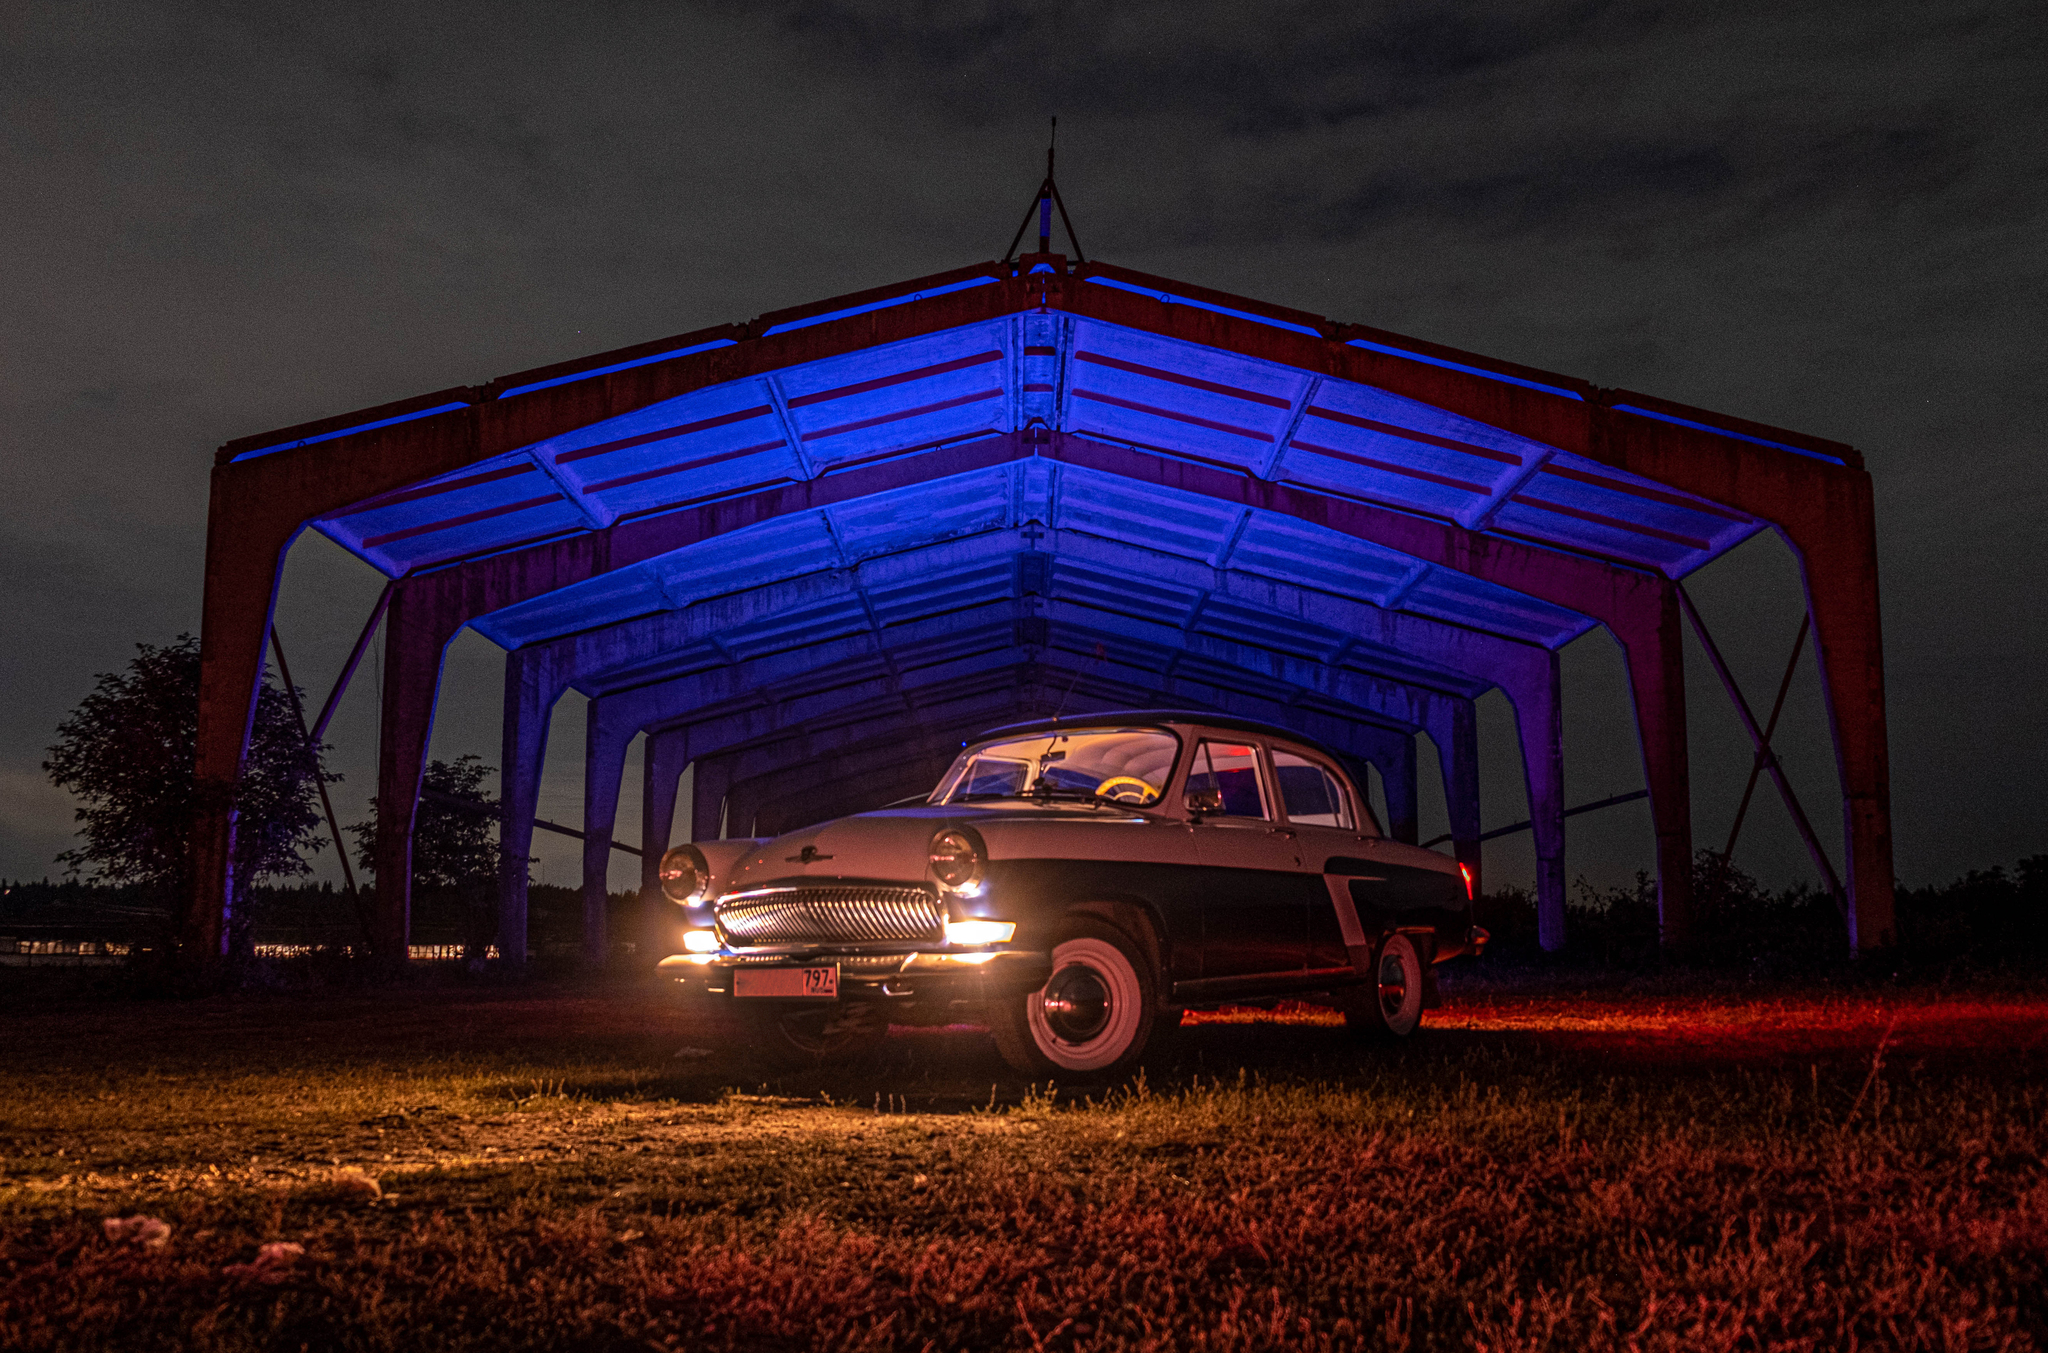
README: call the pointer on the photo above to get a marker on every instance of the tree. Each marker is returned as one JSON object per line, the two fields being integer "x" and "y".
{"x": 454, "y": 843}
{"x": 127, "y": 752}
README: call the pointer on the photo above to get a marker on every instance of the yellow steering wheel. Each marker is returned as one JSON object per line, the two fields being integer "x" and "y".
{"x": 1107, "y": 789}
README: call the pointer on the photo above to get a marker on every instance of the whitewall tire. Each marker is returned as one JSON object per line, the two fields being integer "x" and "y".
{"x": 1092, "y": 1017}
{"x": 1390, "y": 1005}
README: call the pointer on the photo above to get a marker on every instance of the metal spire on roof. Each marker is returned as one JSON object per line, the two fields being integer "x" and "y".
{"x": 1047, "y": 198}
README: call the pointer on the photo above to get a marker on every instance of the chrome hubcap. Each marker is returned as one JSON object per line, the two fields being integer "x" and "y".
{"x": 1393, "y": 985}
{"x": 1077, "y": 1004}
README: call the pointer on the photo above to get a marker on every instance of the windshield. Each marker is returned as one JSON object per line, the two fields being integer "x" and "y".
{"x": 1119, "y": 765}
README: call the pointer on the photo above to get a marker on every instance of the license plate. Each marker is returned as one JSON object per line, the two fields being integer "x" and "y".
{"x": 789, "y": 984}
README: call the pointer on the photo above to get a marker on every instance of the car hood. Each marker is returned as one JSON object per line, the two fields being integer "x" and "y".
{"x": 894, "y": 843}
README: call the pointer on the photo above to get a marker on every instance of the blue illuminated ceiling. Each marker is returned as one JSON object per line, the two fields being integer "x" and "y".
{"x": 1065, "y": 374}
{"x": 1172, "y": 578}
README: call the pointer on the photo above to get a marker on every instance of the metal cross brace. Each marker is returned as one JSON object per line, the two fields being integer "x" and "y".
{"x": 1821, "y": 862}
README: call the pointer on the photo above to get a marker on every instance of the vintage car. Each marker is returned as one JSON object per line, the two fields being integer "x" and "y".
{"x": 1076, "y": 884}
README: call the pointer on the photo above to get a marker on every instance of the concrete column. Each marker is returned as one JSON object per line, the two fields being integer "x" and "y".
{"x": 1454, "y": 726}
{"x": 806, "y": 790}
{"x": 606, "y": 739}
{"x": 1652, "y": 646}
{"x": 1393, "y": 755}
{"x": 714, "y": 776}
{"x": 800, "y": 808}
{"x": 662, "y": 760}
{"x": 532, "y": 685}
{"x": 744, "y": 802}
{"x": 417, "y": 628}
{"x": 663, "y": 757}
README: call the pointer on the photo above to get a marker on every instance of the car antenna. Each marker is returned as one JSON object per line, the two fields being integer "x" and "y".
{"x": 1101, "y": 652}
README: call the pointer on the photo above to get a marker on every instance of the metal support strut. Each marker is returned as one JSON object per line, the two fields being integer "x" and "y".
{"x": 348, "y": 875}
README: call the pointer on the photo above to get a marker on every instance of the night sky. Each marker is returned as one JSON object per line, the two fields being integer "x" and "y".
{"x": 221, "y": 219}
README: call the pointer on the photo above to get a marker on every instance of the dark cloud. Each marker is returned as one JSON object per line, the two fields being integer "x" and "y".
{"x": 224, "y": 218}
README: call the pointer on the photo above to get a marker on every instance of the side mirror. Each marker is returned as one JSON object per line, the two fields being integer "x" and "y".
{"x": 1204, "y": 801}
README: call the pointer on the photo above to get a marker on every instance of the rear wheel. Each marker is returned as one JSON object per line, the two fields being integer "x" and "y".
{"x": 801, "y": 1037}
{"x": 1389, "y": 1006}
{"x": 1093, "y": 1016}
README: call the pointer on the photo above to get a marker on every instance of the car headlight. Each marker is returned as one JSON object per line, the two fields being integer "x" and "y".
{"x": 701, "y": 941}
{"x": 957, "y": 861}
{"x": 685, "y": 875}
{"x": 980, "y": 932}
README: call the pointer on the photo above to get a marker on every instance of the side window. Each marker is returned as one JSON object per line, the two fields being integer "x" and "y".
{"x": 1232, "y": 769}
{"x": 1312, "y": 796}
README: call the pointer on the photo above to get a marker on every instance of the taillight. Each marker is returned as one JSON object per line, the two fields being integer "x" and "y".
{"x": 1466, "y": 870}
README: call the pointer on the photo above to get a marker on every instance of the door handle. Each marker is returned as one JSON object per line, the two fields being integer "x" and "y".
{"x": 1287, "y": 832}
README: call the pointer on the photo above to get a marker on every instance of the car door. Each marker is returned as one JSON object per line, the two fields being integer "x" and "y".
{"x": 1253, "y": 918}
{"x": 1322, "y": 810}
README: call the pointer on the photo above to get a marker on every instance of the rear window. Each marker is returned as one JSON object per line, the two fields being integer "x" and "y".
{"x": 1310, "y": 793}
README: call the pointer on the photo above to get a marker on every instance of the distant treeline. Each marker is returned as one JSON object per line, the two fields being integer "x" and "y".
{"x": 308, "y": 913}
{"x": 1987, "y": 919}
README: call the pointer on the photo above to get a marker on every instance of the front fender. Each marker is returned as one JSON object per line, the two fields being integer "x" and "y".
{"x": 723, "y": 857}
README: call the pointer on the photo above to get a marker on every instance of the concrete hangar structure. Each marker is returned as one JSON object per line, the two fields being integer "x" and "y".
{"x": 811, "y": 553}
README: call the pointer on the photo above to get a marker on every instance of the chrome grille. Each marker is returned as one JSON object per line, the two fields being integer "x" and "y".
{"x": 831, "y": 914}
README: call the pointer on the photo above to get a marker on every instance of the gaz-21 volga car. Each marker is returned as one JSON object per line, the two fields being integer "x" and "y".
{"x": 1077, "y": 884}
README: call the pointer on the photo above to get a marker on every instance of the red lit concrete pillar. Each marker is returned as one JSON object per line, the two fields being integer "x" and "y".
{"x": 417, "y": 629}
{"x": 1825, "y": 512}
{"x": 1838, "y": 560}
{"x": 246, "y": 543}
{"x": 606, "y": 740}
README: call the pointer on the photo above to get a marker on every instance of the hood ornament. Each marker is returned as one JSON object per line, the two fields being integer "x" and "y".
{"x": 806, "y": 856}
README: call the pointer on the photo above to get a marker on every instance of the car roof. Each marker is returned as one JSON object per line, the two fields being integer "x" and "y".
{"x": 1127, "y": 717}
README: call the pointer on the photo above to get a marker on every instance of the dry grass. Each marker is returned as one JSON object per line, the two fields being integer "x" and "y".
{"x": 484, "y": 1169}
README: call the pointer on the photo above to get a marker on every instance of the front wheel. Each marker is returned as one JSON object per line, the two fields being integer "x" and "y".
{"x": 1094, "y": 1014}
{"x": 1389, "y": 1006}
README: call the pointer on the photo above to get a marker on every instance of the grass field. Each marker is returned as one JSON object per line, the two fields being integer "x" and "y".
{"x": 585, "y": 1169}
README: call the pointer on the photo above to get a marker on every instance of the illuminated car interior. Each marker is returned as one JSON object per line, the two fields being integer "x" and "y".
{"x": 1125, "y": 765}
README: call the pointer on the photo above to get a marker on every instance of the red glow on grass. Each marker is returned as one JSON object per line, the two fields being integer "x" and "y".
{"x": 1719, "y": 1028}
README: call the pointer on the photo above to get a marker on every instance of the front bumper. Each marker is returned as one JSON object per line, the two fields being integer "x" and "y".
{"x": 914, "y": 976}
